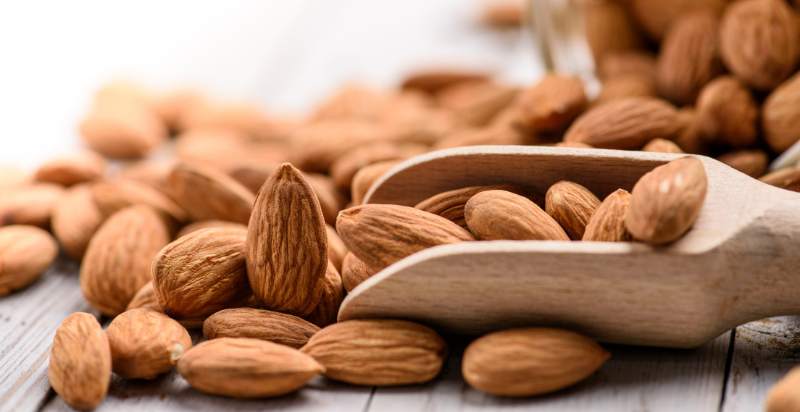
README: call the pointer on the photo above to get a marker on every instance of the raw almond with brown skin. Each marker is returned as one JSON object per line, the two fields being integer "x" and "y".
{"x": 343, "y": 170}
{"x": 434, "y": 80}
{"x": 29, "y": 204}
{"x": 150, "y": 173}
{"x": 246, "y": 368}
{"x": 336, "y": 248}
{"x": 503, "y": 14}
{"x": 657, "y": 16}
{"x": 625, "y": 123}
{"x": 551, "y": 104}
{"x": 205, "y": 224}
{"x": 122, "y": 130}
{"x": 241, "y": 117}
{"x": 781, "y": 115}
{"x": 117, "y": 261}
{"x": 145, "y": 343}
{"x": 366, "y": 177}
{"x": 758, "y": 41}
{"x": 287, "y": 217}
{"x": 207, "y": 194}
{"x": 318, "y": 145}
{"x": 476, "y": 104}
{"x": 252, "y": 176}
{"x": 727, "y": 112}
{"x": 72, "y": 169}
{"x": 636, "y": 63}
{"x": 607, "y": 223}
{"x": 787, "y": 178}
{"x": 25, "y": 253}
{"x": 623, "y": 87}
{"x": 450, "y": 204}
{"x": 354, "y": 271}
{"x": 666, "y": 201}
{"x": 750, "y": 162}
{"x": 784, "y": 397}
{"x": 261, "y": 324}
{"x": 491, "y": 135}
{"x": 662, "y": 146}
{"x": 114, "y": 195}
{"x": 80, "y": 362}
{"x": 499, "y": 215}
{"x": 332, "y": 295}
{"x": 530, "y": 361}
{"x": 571, "y": 205}
{"x": 378, "y": 352}
{"x": 201, "y": 273}
{"x": 75, "y": 220}
{"x": 609, "y": 28}
{"x": 691, "y": 138}
{"x": 145, "y": 298}
{"x": 330, "y": 200}
{"x": 175, "y": 105}
{"x": 383, "y": 234}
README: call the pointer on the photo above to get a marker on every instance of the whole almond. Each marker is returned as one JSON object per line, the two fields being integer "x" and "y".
{"x": 72, "y": 169}
{"x": 80, "y": 362}
{"x": 625, "y": 123}
{"x": 332, "y": 296}
{"x": 345, "y": 168}
{"x": 261, "y": 324}
{"x": 117, "y": 194}
{"x": 150, "y": 173}
{"x": 287, "y": 217}
{"x": 727, "y": 112}
{"x": 122, "y": 130}
{"x": 662, "y": 146}
{"x": 378, "y": 352}
{"x": 75, "y": 220}
{"x": 784, "y": 397}
{"x": 29, "y": 204}
{"x": 476, "y": 104}
{"x": 336, "y": 248}
{"x": 117, "y": 261}
{"x": 749, "y": 162}
{"x": 758, "y": 41}
{"x": 145, "y": 343}
{"x": 607, "y": 223}
{"x": 207, "y": 194}
{"x": 657, "y": 16}
{"x": 609, "y": 28}
{"x": 636, "y": 63}
{"x": 499, "y": 215}
{"x": 330, "y": 200}
{"x": 434, "y": 80}
{"x": 25, "y": 253}
{"x": 383, "y": 234}
{"x": 354, "y": 271}
{"x": 145, "y": 298}
{"x": 692, "y": 138}
{"x": 366, "y": 177}
{"x": 491, "y": 135}
{"x": 450, "y": 204}
{"x": 551, "y": 104}
{"x": 622, "y": 87}
{"x": 571, "y": 205}
{"x": 318, "y": 145}
{"x": 787, "y": 178}
{"x": 201, "y": 273}
{"x": 781, "y": 115}
{"x": 206, "y": 224}
{"x": 246, "y": 368}
{"x": 530, "y": 361}
{"x": 666, "y": 201}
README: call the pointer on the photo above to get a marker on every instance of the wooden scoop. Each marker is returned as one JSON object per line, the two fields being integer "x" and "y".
{"x": 740, "y": 261}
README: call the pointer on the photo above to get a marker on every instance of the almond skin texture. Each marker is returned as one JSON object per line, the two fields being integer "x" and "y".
{"x": 287, "y": 247}
{"x": 383, "y": 234}
{"x": 332, "y": 296}
{"x": 749, "y": 162}
{"x": 72, "y": 169}
{"x": 625, "y": 123}
{"x": 608, "y": 221}
{"x": 784, "y": 397}
{"x": 378, "y": 352}
{"x": 336, "y": 248}
{"x": 145, "y": 298}
{"x": 450, "y": 204}
{"x": 246, "y": 368}
{"x": 29, "y": 204}
{"x": 75, "y": 220}
{"x": 689, "y": 57}
{"x": 502, "y": 215}
{"x": 25, "y": 253}
{"x": 609, "y": 28}
{"x": 80, "y": 362}
{"x": 571, "y": 205}
{"x": 530, "y": 361}
{"x": 781, "y": 115}
{"x": 117, "y": 261}
{"x": 662, "y": 146}
{"x": 366, "y": 176}
{"x": 207, "y": 194}
{"x": 201, "y": 273}
{"x": 727, "y": 112}
{"x": 551, "y": 104}
{"x": 114, "y": 195}
{"x": 261, "y": 324}
{"x": 330, "y": 200}
{"x": 354, "y": 271}
{"x": 666, "y": 201}
{"x": 145, "y": 343}
{"x": 758, "y": 40}
{"x": 205, "y": 224}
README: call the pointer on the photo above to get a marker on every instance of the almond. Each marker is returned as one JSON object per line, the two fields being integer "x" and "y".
{"x": 114, "y": 195}
{"x": 383, "y": 234}
{"x": 145, "y": 343}
{"x": 689, "y": 57}
{"x": 246, "y": 368}
{"x": 261, "y": 324}
{"x": 207, "y": 194}
{"x": 205, "y": 224}
{"x": 499, "y": 214}
{"x": 625, "y": 123}
{"x": 80, "y": 362}
{"x": 571, "y": 205}
{"x": 551, "y": 104}
{"x": 150, "y": 173}
{"x": 788, "y": 178}
{"x": 758, "y": 40}
{"x": 287, "y": 217}
{"x": 145, "y": 298}
{"x": 657, "y": 16}
{"x": 607, "y": 223}
{"x": 749, "y": 162}
{"x": 783, "y": 397}
{"x": 366, "y": 177}
{"x": 625, "y": 86}
{"x": 343, "y": 170}
{"x": 450, "y": 204}
{"x": 241, "y": 117}
{"x": 175, "y": 105}
{"x": 25, "y": 253}
{"x": 504, "y": 14}
{"x": 330, "y": 200}
{"x": 727, "y": 112}
{"x": 491, "y": 135}
{"x": 436, "y": 79}
{"x": 201, "y": 273}
{"x": 336, "y": 248}
{"x": 354, "y": 271}
{"x": 781, "y": 116}
{"x": 117, "y": 261}
{"x": 691, "y": 138}
{"x": 353, "y": 101}
{"x": 666, "y": 201}
{"x": 122, "y": 130}
{"x": 75, "y": 220}
{"x": 609, "y": 28}
{"x": 318, "y": 145}
{"x": 662, "y": 146}
{"x": 476, "y": 104}
{"x": 226, "y": 150}
{"x": 29, "y": 204}
{"x": 332, "y": 295}
{"x": 252, "y": 176}
{"x": 530, "y": 361}
{"x": 629, "y": 63}
{"x": 72, "y": 169}
{"x": 378, "y": 352}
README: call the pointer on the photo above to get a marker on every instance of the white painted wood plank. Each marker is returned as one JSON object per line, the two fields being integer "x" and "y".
{"x": 763, "y": 352}
{"x": 635, "y": 379}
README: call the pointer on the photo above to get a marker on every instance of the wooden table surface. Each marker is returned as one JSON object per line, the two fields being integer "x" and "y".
{"x": 329, "y": 42}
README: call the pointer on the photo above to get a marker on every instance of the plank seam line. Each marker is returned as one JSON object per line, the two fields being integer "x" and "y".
{"x": 728, "y": 365}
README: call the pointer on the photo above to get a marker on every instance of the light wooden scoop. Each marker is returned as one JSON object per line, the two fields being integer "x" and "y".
{"x": 740, "y": 261}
